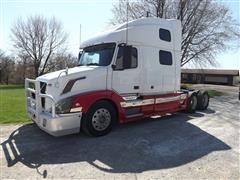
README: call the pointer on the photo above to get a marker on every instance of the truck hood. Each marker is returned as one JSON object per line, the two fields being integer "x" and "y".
{"x": 62, "y": 73}
{"x": 57, "y": 81}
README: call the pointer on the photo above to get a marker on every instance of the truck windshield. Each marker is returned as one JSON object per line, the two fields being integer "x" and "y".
{"x": 97, "y": 55}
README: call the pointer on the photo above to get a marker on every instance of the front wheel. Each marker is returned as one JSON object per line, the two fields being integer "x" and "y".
{"x": 99, "y": 119}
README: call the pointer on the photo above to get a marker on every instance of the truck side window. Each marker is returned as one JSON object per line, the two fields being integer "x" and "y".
{"x": 165, "y": 57}
{"x": 164, "y": 34}
{"x": 119, "y": 61}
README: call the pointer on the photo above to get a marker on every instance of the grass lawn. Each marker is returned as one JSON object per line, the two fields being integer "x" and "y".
{"x": 213, "y": 93}
{"x": 12, "y": 105}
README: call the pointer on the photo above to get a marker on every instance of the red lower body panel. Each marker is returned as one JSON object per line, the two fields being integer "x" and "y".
{"x": 142, "y": 107}
{"x": 161, "y": 108}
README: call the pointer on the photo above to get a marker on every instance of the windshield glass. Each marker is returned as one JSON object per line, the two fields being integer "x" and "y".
{"x": 98, "y": 55}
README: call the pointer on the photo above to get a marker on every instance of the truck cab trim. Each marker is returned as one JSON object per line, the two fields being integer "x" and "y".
{"x": 71, "y": 83}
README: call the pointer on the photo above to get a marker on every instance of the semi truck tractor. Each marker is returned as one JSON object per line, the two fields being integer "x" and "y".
{"x": 125, "y": 74}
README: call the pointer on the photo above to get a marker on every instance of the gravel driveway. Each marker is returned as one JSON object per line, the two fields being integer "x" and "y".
{"x": 203, "y": 145}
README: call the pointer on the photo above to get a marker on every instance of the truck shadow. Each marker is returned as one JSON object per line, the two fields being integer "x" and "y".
{"x": 134, "y": 147}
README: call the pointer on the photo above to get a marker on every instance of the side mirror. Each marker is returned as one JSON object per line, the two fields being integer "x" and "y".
{"x": 79, "y": 55}
{"x": 127, "y": 56}
{"x": 113, "y": 66}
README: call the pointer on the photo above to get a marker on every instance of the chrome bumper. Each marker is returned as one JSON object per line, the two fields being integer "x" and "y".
{"x": 52, "y": 123}
{"x": 60, "y": 125}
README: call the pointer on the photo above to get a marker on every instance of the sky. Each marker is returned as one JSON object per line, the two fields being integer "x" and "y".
{"x": 94, "y": 17}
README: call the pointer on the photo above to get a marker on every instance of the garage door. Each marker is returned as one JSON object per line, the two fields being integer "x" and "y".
{"x": 218, "y": 79}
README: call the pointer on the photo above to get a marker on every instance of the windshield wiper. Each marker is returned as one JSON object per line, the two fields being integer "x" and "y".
{"x": 89, "y": 64}
{"x": 92, "y": 64}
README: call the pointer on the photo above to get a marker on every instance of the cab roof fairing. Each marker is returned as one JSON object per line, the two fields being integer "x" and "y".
{"x": 149, "y": 28}
{"x": 106, "y": 37}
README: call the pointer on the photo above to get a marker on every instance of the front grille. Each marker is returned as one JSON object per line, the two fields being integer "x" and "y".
{"x": 43, "y": 87}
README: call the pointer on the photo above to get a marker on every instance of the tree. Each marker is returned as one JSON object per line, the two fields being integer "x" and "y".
{"x": 1, "y": 65}
{"x": 38, "y": 38}
{"x": 6, "y": 67}
{"x": 60, "y": 61}
{"x": 207, "y": 25}
{"x": 24, "y": 68}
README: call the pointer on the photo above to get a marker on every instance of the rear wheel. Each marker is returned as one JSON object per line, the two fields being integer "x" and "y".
{"x": 99, "y": 119}
{"x": 203, "y": 100}
{"x": 192, "y": 103}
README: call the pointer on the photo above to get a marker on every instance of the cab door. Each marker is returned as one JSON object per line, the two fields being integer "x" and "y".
{"x": 126, "y": 71}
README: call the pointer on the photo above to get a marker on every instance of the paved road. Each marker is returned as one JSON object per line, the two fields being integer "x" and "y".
{"x": 204, "y": 145}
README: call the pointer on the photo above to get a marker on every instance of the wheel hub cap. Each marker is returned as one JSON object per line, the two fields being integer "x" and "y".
{"x": 101, "y": 119}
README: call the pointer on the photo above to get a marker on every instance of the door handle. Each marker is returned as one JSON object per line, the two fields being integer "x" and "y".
{"x": 135, "y": 87}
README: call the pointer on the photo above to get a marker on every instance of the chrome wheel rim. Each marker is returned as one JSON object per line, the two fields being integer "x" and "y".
{"x": 101, "y": 119}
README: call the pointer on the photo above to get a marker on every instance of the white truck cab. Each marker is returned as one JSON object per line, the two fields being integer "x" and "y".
{"x": 127, "y": 73}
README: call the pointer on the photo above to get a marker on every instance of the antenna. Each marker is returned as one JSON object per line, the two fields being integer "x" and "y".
{"x": 127, "y": 25}
{"x": 148, "y": 14}
{"x": 80, "y": 32}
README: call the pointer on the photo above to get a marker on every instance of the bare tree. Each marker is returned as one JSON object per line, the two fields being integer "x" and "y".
{"x": 207, "y": 25}
{"x": 38, "y": 38}
{"x": 1, "y": 65}
{"x": 6, "y": 68}
{"x": 1, "y": 54}
{"x": 61, "y": 61}
{"x": 24, "y": 68}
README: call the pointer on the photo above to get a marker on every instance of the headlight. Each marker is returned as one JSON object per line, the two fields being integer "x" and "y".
{"x": 65, "y": 106}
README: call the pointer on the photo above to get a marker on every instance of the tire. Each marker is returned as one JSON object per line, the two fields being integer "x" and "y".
{"x": 99, "y": 119}
{"x": 203, "y": 100}
{"x": 192, "y": 103}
